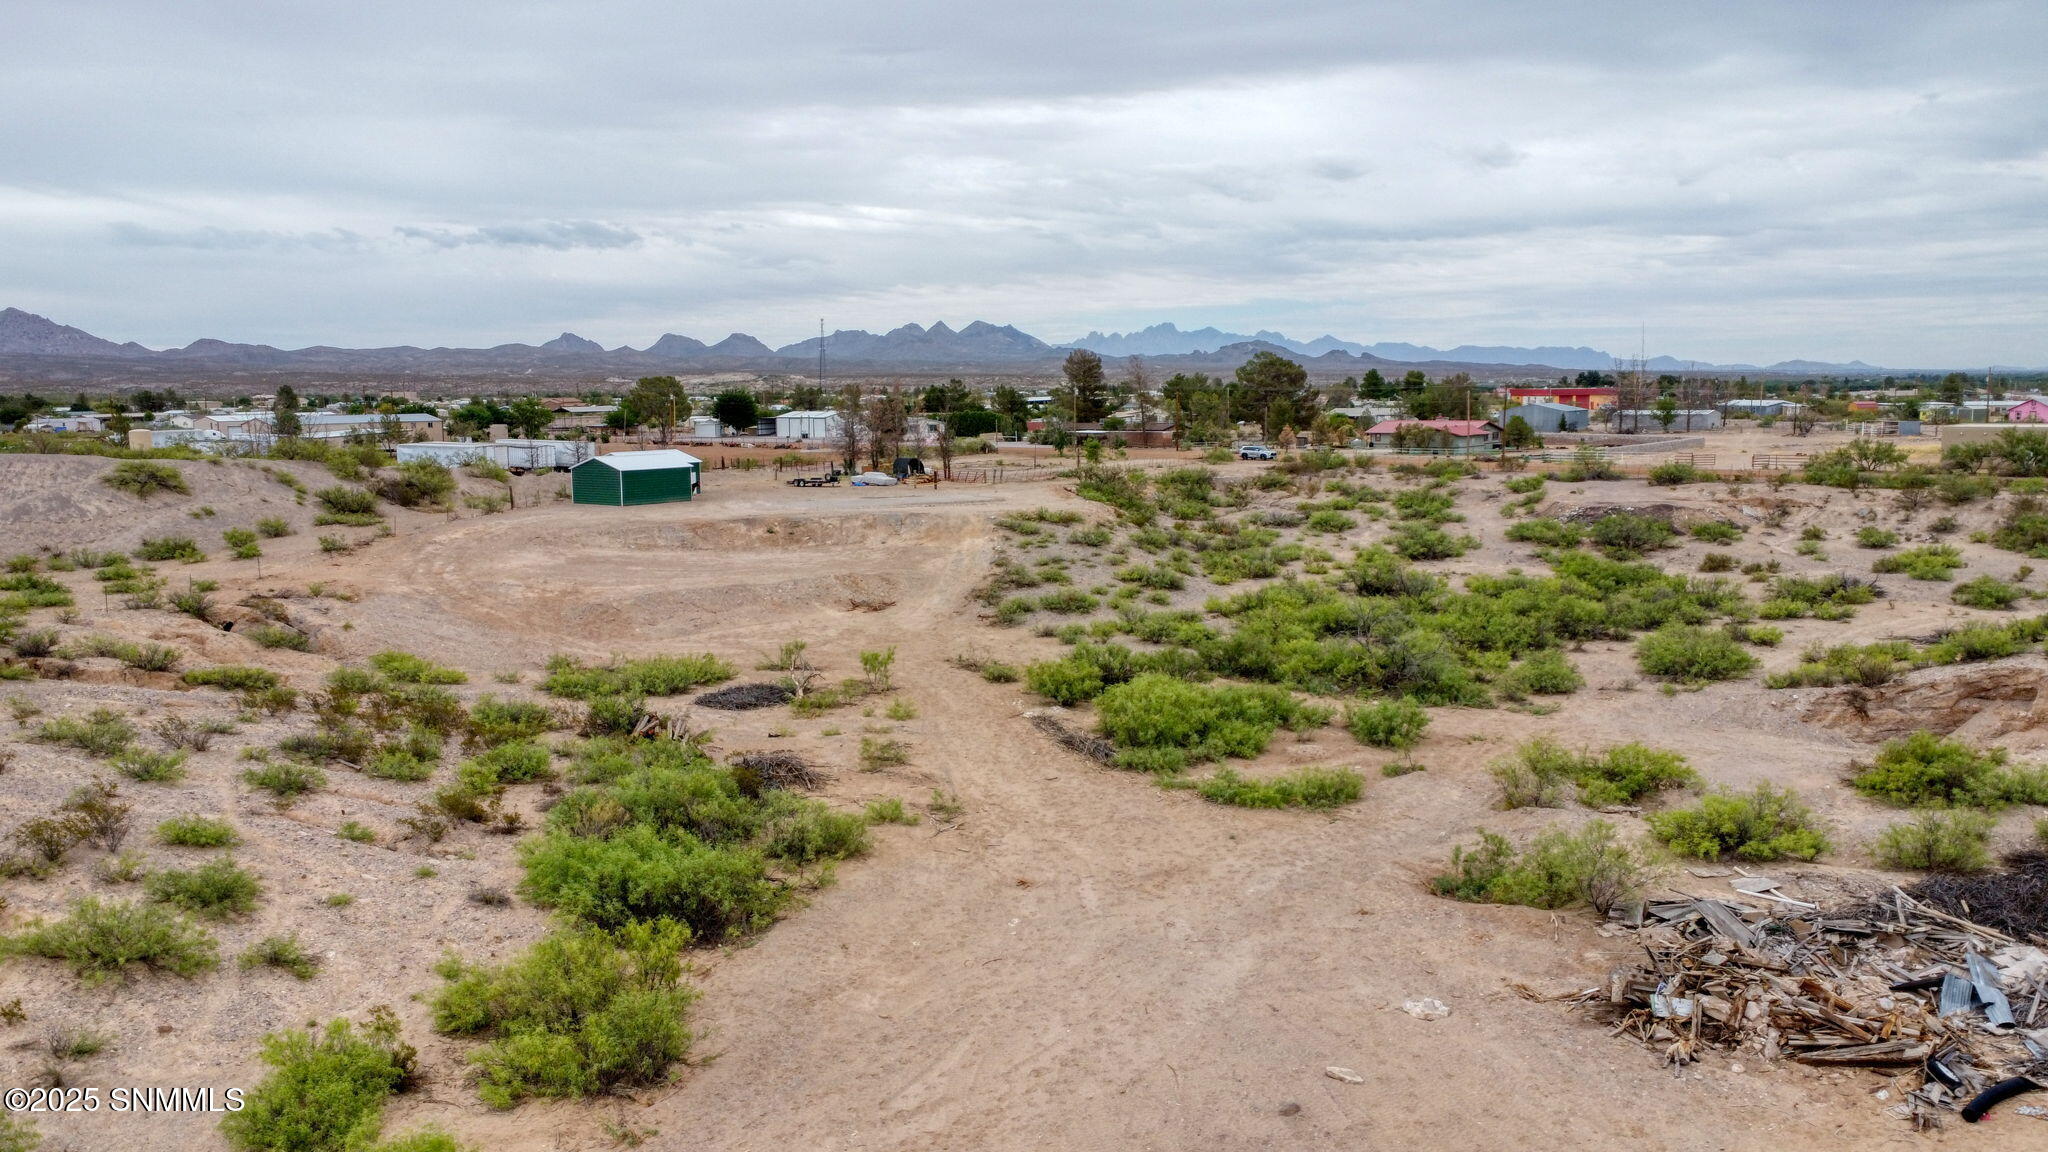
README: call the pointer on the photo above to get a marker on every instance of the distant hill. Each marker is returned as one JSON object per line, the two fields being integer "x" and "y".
{"x": 35, "y": 348}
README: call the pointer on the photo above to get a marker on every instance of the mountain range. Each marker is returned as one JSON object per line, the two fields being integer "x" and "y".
{"x": 35, "y": 348}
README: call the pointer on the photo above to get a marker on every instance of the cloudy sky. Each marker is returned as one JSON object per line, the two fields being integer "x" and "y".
{"x": 1762, "y": 181}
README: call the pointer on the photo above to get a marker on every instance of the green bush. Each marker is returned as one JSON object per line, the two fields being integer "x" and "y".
{"x": 889, "y": 810}
{"x": 326, "y": 1089}
{"x": 102, "y": 940}
{"x": 1544, "y": 673}
{"x": 1624, "y": 534}
{"x": 1986, "y": 592}
{"x": 814, "y": 834}
{"x": 1421, "y": 541}
{"x": 282, "y": 952}
{"x": 1675, "y": 472}
{"x": 275, "y": 636}
{"x": 580, "y": 1013}
{"x": 1068, "y": 602}
{"x": 286, "y": 781}
{"x": 1938, "y": 842}
{"x": 1717, "y": 532}
{"x": 406, "y": 668}
{"x": 197, "y": 832}
{"x": 1302, "y": 788}
{"x": 1159, "y": 711}
{"x": 1547, "y": 532}
{"x": 414, "y": 483}
{"x": 217, "y": 889}
{"x": 1330, "y": 520}
{"x": 341, "y": 501}
{"x": 1693, "y": 655}
{"x": 272, "y": 527}
{"x": 233, "y": 677}
{"x": 145, "y": 478}
{"x": 1397, "y": 723}
{"x": 149, "y": 767}
{"x": 1558, "y": 869}
{"x": 655, "y": 676}
{"x": 1924, "y": 770}
{"x": 1874, "y": 537}
{"x": 103, "y": 732}
{"x": 1761, "y": 825}
{"x": 181, "y": 548}
{"x": 493, "y": 721}
{"x": 1928, "y": 562}
{"x": 1536, "y": 774}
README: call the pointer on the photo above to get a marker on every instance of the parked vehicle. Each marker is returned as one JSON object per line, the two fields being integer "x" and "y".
{"x": 1256, "y": 452}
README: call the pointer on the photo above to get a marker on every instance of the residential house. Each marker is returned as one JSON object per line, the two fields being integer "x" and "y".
{"x": 571, "y": 419}
{"x": 1587, "y": 398}
{"x": 2028, "y": 411}
{"x": 1448, "y": 437}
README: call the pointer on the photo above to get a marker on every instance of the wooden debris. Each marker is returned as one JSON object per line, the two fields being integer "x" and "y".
{"x": 1093, "y": 747}
{"x": 1893, "y": 983}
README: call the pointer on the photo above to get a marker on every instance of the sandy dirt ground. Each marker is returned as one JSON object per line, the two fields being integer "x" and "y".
{"x": 1083, "y": 961}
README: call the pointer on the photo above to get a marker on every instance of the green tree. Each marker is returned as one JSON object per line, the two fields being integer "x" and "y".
{"x": 938, "y": 399}
{"x": 1011, "y": 406}
{"x": 661, "y": 402}
{"x": 1666, "y": 412}
{"x": 1375, "y": 386}
{"x": 284, "y": 414}
{"x": 1518, "y": 434}
{"x": 528, "y": 417}
{"x": 736, "y": 409}
{"x": 1087, "y": 397}
{"x": 1275, "y": 392}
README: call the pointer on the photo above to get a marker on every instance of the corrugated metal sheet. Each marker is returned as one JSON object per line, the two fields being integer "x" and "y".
{"x": 658, "y": 485}
{"x": 591, "y": 484}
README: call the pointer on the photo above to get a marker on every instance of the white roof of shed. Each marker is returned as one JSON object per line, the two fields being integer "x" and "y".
{"x": 811, "y": 414}
{"x": 641, "y": 461}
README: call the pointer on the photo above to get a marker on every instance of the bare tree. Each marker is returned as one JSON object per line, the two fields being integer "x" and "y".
{"x": 853, "y": 414}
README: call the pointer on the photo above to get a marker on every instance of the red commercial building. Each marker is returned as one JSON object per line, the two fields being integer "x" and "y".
{"x": 1587, "y": 398}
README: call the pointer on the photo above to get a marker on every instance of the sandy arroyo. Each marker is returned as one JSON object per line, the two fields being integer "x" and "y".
{"x": 1083, "y": 960}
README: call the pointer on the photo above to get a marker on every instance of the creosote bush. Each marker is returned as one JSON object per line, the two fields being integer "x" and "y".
{"x": 197, "y": 832}
{"x": 145, "y": 478}
{"x": 326, "y": 1088}
{"x": 582, "y": 1012}
{"x": 1159, "y": 711}
{"x": 218, "y": 889}
{"x": 1537, "y": 774}
{"x": 1925, "y": 770}
{"x": 1935, "y": 841}
{"x": 102, "y": 940}
{"x": 1396, "y": 723}
{"x": 1693, "y": 655}
{"x": 656, "y": 676}
{"x": 1558, "y": 869}
{"x": 1301, "y": 788}
{"x": 1761, "y": 825}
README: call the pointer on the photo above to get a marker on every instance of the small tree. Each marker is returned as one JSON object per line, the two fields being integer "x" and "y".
{"x": 660, "y": 401}
{"x": 284, "y": 414}
{"x": 736, "y": 409}
{"x": 1665, "y": 411}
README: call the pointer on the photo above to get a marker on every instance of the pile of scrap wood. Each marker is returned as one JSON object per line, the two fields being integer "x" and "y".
{"x": 1892, "y": 983}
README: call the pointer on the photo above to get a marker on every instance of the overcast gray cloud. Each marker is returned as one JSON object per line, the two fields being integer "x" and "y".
{"x": 1760, "y": 181}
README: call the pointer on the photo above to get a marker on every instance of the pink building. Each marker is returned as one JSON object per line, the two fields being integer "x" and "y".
{"x": 2027, "y": 411}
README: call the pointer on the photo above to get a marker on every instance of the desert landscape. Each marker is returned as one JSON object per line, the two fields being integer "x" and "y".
{"x": 1005, "y": 941}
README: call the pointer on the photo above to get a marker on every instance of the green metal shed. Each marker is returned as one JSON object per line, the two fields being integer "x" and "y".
{"x": 622, "y": 478}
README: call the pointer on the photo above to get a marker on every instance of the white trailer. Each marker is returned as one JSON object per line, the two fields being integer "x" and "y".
{"x": 447, "y": 453}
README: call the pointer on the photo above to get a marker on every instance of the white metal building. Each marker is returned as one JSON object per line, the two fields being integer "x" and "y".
{"x": 816, "y": 424}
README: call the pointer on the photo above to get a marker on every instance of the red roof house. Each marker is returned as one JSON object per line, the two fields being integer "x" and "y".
{"x": 1457, "y": 437}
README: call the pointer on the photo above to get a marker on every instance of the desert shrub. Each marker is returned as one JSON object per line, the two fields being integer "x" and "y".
{"x": 35, "y": 642}
{"x": 1302, "y": 788}
{"x": 102, "y": 940}
{"x": 283, "y": 952}
{"x": 1871, "y": 536}
{"x": 493, "y": 721}
{"x": 1067, "y": 602}
{"x": 1717, "y": 532}
{"x": 26, "y": 590}
{"x": 145, "y": 478}
{"x": 326, "y": 1089}
{"x": 276, "y": 636}
{"x": 889, "y": 810}
{"x": 655, "y": 676}
{"x": 1537, "y": 773}
{"x": 996, "y": 672}
{"x": 1762, "y": 635}
{"x": 580, "y": 1013}
{"x": 233, "y": 677}
{"x": 640, "y": 872}
{"x": 218, "y": 889}
{"x": 414, "y": 483}
{"x": 180, "y": 548}
{"x": 1673, "y": 473}
{"x": 406, "y": 668}
{"x": 285, "y": 781}
{"x": 1623, "y": 534}
{"x": 1547, "y": 532}
{"x": 102, "y": 732}
{"x": 1330, "y": 520}
{"x": 1422, "y": 541}
{"x": 1158, "y": 711}
{"x": 1867, "y": 664}
{"x": 1763, "y": 824}
{"x": 197, "y": 832}
{"x": 1928, "y": 562}
{"x": 149, "y": 767}
{"x": 1925, "y": 770}
{"x": 1937, "y": 842}
{"x": 1692, "y": 655}
{"x": 1558, "y": 869}
{"x": 398, "y": 764}
{"x": 1547, "y": 672}
{"x": 877, "y": 753}
{"x": 1830, "y": 597}
{"x": 518, "y": 762}
{"x": 814, "y": 834}
{"x": 343, "y": 501}
{"x": 1986, "y": 592}
{"x": 1397, "y": 723}
{"x": 272, "y": 527}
